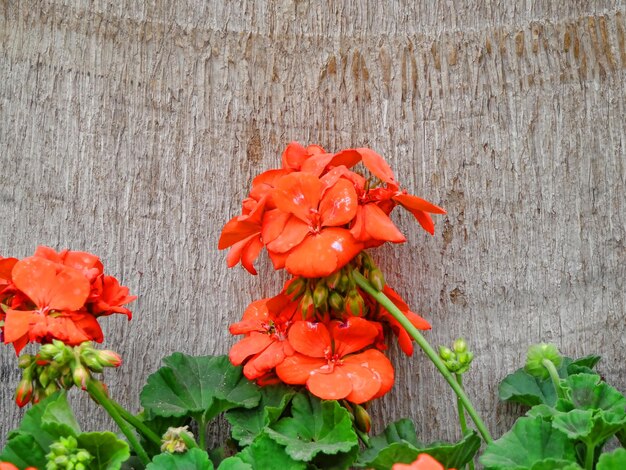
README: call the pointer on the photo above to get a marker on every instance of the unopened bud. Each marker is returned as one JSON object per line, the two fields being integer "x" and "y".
{"x": 80, "y": 375}
{"x": 446, "y": 353}
{"x": 296, "y": 288}
{"x": 452, "y": 365}
{"x": 535, "y": 357}
{"x": 24, "y": 392}
{"x": 44, "y": 377}
{"x": 333, "y": 279}
{"x": 47, "y": 351}
{"x": 320, "y": 295}
{"x": 377, "y": 280}
{"x": 92, "y": 362}
{"x": 459, "y": 345}
{"x": 362, "y": 419}
{"x": 335, "y": 300}
{"x": 343, "y": 284}
{"x": 306, "y": 304}
{"x": 25, "y": 361}
{"x": 355, "y": 303}
{"x": 109, "y": 358}
{"x": 50, "y": 389}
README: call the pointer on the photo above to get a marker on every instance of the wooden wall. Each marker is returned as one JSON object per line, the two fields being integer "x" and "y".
{"x": 133, "y": 129}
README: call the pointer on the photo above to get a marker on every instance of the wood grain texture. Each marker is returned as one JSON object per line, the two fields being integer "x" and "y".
{"x": 133, "y": 129}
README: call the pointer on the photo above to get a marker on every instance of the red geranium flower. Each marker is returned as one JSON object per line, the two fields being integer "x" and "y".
{"x": 265, "y": 324}
{"x": 423, "y": 462}
{"x": 326, "y": 363}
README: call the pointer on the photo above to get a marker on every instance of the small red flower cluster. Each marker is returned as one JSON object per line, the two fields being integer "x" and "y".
{"x": 57, "y": 295}
{"x": 315, "y": 217}
{"x": 314, "y": 214}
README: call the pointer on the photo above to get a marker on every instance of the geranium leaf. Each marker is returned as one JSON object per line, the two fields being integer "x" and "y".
{"x": 615, "y": 460}
{"x": 316, "y": 427}
{"x": 589, "y": 392}
{"x": 454, "y": 455}
{"x": 29, "y": 444}
{"x": 576, "y": 424}
{"x": 587, "y": 361}
{"x": 396, "y": 452}
{"x": 531, "y": 440}
{"x": 247, "y": 424}
{"x": 555, "y": 464}
{"x": 108, "y": 451}
{"x": 401, "y": 431}
{"x": 193, "y": 459}
{"x": 264, "y": 453}
{"x": 201, "y": 387}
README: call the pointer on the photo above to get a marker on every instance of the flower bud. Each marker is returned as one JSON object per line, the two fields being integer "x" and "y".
{"x": 24, "y": 392}
{"x": 355, "y": 303}
{"x": 320, "y": 296}
{"x": 459, "y": 345}
{"x": 446, "y": 353}
{"x": 50, "y": 389}
{"x": 362, "y": 418}
{"x": 80, "y": 376}
{"x": 333, "y": 279}
{"x": 47, "y": 351}
{"x": 452, "y": 365}
{"x": 306, "y": 304}
{"x": 343, "y": 284}
{"x": 92, "y": 362}
{"x": 296, "y": 288}
{"x": 44, "y": 377}
{"x": 335, "y": 300}
{"x": 377, "y": 280}
{"x": 535, "y": 356}
{"x": 25, "y": 361}
{"x": 109, "y": 358}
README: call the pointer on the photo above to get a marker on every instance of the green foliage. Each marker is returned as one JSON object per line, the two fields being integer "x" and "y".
{"x": 264, "y": 453}
{"x": 398, "y": 443}
{"x": 316, "y": 426}
{"x": 200, "y": 387}
{"x": 612, "y": 461}
{"x": 193, "y": 459}
{"x": 108, "y": 450}
{"x": 526, "y": 389}
{"x": 529, "y": 442}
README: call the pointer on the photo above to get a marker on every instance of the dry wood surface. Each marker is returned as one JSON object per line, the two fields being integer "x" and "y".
{"x": 133, "y": 129}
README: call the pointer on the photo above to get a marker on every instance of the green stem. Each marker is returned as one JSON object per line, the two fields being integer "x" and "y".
{"x": 589, "y": 456}
{"x": 202, "y": 424}
{"x": 138, "y": 424}
{"x": 93, "y": 387}
{"x": 383, "y": 300}
{"x": 461, "y": 409}
{"x": 554, "y": 375}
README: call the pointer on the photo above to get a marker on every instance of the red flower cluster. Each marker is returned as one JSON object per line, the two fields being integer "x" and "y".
{"x": 315, "y": 214}
{"x": 54, "y": 295}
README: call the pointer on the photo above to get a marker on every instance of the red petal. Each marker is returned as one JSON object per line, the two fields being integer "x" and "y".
{"x": 235, "y": 230}
{"x": 425, "y": 220}
{"x": 338, "y": 205}
{"x": 6, "y": 266}
{"x": 237, "y": 250}
{"x": 379, "y": 226}
{"x": 379, "y": 364}
{"x": 293, "y": 156}
{"x": 377, "y": 165}
{"x": 278, "y": 259}
{"x": 273, "y": 224}
{"x": 330, "y": 178}
{"x": 331, "y": 385}
{"x": 348, "y": 158}
{"x": 298, "y": 193}
{"x": 321, "y": 254}
{"x": 251, "y": 253}
{"x": 265, "y": 361}
{"x": 416, "y": 203}
{"x": 365, "y": 382}
{"x": 296, "y": 369}
{"x": 316, "y": 164}
{"x": 309, "y": 338}
{"x": 292, "y": 235}
{"x": 49, "y": 284}
{"x": 17, "y": 324}
{"x": 248, "y": 346}
{"x": 353, "y": 335}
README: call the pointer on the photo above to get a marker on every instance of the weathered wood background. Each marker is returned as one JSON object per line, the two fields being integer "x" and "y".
{"x": 133, "y": 129}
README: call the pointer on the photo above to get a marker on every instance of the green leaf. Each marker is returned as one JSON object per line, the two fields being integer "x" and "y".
{"x": 43, "y": 424}
{"x": 531, "y": 440}
{"x": 193, "y": 459}
{"x": 556, "y": 464}
{"x": 612, "y": 461}
{"x": 264, "y": 453}
{"x": 316, "y": 427}
{"x": 576, "y": 424}
{"x": 201, "y": 387}
{"x": 247, "y": 424}
{"x": 589, "y": 392}
{"x": 521, "y": 387}
{"x": 398, "y": 443}
{"x": 108, "y": 451}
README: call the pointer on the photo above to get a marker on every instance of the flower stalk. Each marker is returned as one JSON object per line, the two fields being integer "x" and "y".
{"x": 383, "y": 300}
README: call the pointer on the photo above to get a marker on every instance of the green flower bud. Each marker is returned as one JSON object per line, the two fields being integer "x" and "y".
{"x": 47, "y": 351}
{"x": 355, "y": 303}
{"x": 335, "y": 300}
{"x": 459, "y": 345}
{"x": 50, "y": 389}
{"x": 306, "y": 304}
{"x": 535, "y": 356}
{"x": 452, "y": 365}
{"x": 92, "y": 362}
{"x": 80, "y": 375}
{"x": 24, "y": 392}
{"x": 25, "y": 361}
{"x": 333, "y": 279}
{"x": 362, "y": 418}
{"x": 296, "y": 288}
{"x": 343, "y": 284}
{"x": 377, "y": 279}
{"x": 44, "y": 377}
{"x": 446, "y": 353}
{"x": 320, "y": 296}
{"x": 177, "y": 440}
